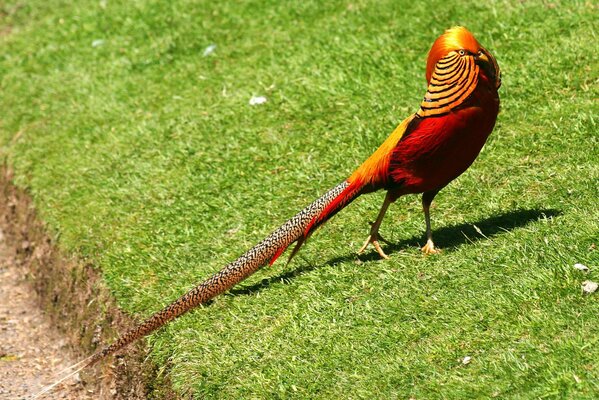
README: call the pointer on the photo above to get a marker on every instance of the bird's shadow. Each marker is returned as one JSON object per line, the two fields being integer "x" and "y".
{"x": 448, "y": 238}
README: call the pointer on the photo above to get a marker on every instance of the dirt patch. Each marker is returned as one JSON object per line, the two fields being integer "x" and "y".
{"x": 6, "y": 12}
{"x": 75, "y": 314}
{"x": 31, "y": 352}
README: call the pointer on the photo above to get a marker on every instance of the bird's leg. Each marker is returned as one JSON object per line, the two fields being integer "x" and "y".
{"x": 429, "y": 247}
{"x": 374, "y": 229}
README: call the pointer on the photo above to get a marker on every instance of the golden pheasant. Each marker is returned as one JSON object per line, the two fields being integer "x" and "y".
{"x": 425, "y": 152}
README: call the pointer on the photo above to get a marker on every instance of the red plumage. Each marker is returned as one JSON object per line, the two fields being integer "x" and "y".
{"x": 437, "y": 144}
{"x": 439, "y": 149}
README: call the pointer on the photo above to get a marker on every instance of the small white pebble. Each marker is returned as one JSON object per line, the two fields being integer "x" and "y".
{"x": 589, "y": 287}
{"x": 581, "y": 267}
{"x": 255, "y": 100}
{"x": 97, "y": 42}
{"x": 234, "y": 230}
{"x": 466, "y": 360}
{"x": 209, "y": 50}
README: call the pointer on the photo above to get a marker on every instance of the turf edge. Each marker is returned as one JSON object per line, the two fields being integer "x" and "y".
{"x": 79, "y": 305}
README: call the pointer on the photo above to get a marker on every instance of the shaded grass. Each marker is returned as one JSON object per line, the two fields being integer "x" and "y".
{"x": 145, "y": 158}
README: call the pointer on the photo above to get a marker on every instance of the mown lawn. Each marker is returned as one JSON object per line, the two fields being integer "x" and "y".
{"x": 145, "y": 158}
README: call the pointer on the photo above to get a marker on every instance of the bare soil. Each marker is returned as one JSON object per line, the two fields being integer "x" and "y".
{"x": 54, "y": 311}
{"x": 31, "y": 350}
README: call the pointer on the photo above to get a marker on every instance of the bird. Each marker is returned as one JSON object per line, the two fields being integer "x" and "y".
{"x": 426, "y": 151}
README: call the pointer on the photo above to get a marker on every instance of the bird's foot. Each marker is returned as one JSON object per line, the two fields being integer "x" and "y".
{"x": 429, "y": 248}
{"x": 374, "y": 239}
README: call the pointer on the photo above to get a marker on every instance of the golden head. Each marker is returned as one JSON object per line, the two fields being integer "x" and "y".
{"x": 460, "y": 40}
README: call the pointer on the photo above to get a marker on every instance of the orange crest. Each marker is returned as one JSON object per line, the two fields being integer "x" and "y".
{"x": 456, "y": 38}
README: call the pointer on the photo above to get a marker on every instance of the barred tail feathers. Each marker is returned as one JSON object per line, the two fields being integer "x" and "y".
{"x": 336, "y": 202}
{"x": 296, "y": 228}
{"x": 232, "y": 274}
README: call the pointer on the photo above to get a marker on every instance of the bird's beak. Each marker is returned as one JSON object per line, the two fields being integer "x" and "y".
{"x": 488, "y": 64}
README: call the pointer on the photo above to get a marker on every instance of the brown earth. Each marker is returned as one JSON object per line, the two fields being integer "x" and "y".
{"x": 54, "y": 310}
{"x": 31, "y": 351}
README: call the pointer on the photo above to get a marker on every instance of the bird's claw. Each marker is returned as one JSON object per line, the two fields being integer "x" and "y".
{"x": 429, "y": 248}
{"x": 374, "y": 239}
{"x": 378, "y": 235}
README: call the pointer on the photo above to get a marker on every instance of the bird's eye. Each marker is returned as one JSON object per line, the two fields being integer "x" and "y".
{"x": 461, "y": 52}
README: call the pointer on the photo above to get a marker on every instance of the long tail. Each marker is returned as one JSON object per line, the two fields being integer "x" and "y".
{"x": 337, "y": 203}
{"x": 297, "y": 229}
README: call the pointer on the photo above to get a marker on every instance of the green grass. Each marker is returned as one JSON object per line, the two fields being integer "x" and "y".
{"x": 144, "y": 158}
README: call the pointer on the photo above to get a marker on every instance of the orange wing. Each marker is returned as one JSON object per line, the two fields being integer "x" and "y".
{"x": 374, "y": 171}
